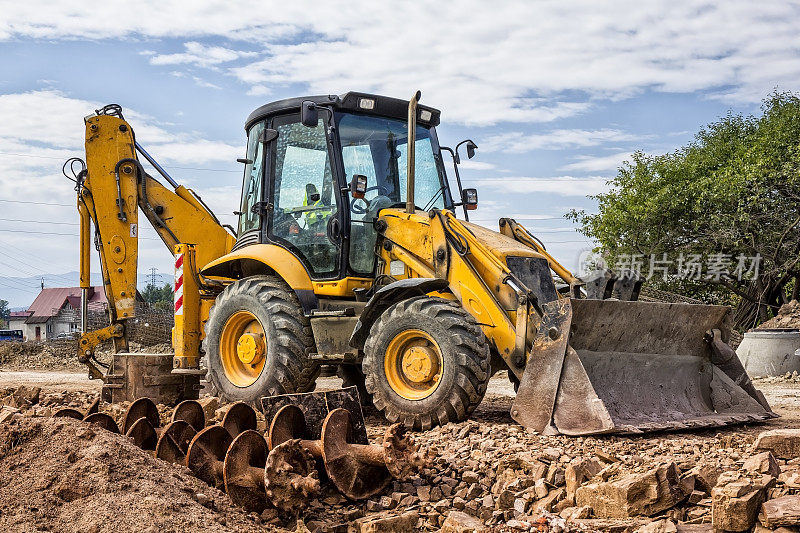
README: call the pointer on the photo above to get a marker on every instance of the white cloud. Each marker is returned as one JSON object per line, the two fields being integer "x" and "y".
{"x": 259, "y": 90}
{"x": 48, "y": 123}
{"x": 200, "y": 55}
{"x": 586, "y": 163}
{"x": 483, "y": 63}
{"x": 562, "y": 185}
{"x": 467, "y": 164}
{"x": 39, "y": 130}
{"x": 519, "y": 142}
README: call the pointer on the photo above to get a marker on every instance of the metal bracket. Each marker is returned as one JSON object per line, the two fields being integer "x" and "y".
{"x": 89, "y": 342}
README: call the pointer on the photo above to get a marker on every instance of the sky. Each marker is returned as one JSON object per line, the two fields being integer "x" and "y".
{"x": 556, "y": 94}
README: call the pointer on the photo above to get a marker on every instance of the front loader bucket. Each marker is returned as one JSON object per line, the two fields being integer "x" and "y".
{"x": 605, "y": 366}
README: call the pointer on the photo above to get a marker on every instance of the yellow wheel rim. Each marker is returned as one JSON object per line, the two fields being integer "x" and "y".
{"x": 413, "y": 364}
{"x": 242, "y": 348}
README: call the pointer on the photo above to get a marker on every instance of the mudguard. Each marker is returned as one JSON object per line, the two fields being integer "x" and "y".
{"x": 386, "y": 297}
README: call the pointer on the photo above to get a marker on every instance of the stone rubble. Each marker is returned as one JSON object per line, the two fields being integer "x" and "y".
{"x": 498, "y": 477}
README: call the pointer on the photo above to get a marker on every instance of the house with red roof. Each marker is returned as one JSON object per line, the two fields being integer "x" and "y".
{"x": 56, "y": 311}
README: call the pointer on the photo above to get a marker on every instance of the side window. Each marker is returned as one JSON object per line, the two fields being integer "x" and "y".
{"x": 305, "y": 195}
{"x": 253, "y": 178}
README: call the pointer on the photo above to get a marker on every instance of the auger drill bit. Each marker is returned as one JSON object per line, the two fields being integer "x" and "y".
{"x": 191, "y": 412}
{"x": 357, "y": 470}
{"x": 239, "y": 417}
{"x": 285, "y": 477}
{"x": 206, "y": 453}
{"x": 141, "y": 423}
{"x": 290, "y": 476}
{"x": 92, "y": 416}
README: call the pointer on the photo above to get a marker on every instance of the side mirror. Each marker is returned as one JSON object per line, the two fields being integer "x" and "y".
{"x": 309, "y": 115}
{"x": 471, "y": 147}
{"x": 469, "y": 199}
{"x": 358, "y": 186}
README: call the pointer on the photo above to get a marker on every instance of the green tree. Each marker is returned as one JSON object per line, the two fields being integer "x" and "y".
{"x": 158, "y": 297}
{"x": 5, "y": 313}
{"x": 734, "y": 191}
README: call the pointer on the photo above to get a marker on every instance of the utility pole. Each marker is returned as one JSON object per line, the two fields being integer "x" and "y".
{"x": 42, "y": 282}
{"x": 153, "y": 276}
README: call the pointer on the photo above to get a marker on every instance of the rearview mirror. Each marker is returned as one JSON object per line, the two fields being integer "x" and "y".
{"x": 309, "y": 115}
{"x": 469, "y": 199}
{"x": 471, "y": 147}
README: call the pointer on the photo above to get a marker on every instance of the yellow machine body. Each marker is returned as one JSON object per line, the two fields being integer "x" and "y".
{"x": 582, "y": 366}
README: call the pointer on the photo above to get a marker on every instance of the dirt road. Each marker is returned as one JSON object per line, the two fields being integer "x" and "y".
{"x": 49, "y": 381}
{"x": 783, "y": 395}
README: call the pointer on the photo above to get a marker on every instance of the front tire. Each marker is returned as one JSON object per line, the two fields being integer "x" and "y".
{"x": 258, "y": 341}
{"x": 426, "y": 363}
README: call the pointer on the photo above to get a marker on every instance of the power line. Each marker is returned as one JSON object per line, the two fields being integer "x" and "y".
{"x": 25, "y": 252}
{"x": 39, "y": 232}
{"x": 40, "y": 221}
{"x": 35, "y": 203}
{"x": 62, "y": 234}
{"x": 28, "y": 265}
{"x": 165, "y": 166}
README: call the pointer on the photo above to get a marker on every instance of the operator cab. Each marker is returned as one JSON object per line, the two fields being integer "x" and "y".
{"x": 303, "y": 153}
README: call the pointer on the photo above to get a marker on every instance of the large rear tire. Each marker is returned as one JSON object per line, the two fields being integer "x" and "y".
{"x": 426, "y": 363}
{"x": 258, "y": 341}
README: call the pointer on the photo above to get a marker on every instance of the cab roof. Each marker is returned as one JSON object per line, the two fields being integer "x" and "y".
{"x": 385, "y": 106}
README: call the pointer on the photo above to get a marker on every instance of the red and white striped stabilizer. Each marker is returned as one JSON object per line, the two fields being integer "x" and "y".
{"x": 179, "y": 284}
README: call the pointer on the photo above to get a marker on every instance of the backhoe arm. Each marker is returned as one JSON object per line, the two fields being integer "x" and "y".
{"x": 110, "y": 193}
{"x": 511, "y": 228}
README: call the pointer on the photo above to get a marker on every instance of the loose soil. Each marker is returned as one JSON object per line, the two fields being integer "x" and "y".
{"x": 788, "y": 317}
{"x": 64, "y": 476}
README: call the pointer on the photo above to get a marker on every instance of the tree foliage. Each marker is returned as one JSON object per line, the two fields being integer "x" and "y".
{"x": 5, "y": 313}
{"x": 734, "y": 190}
{"x": 158, "y": 297}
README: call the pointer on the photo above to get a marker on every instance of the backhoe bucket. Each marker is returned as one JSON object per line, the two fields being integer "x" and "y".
{"x": 604, "y": 366}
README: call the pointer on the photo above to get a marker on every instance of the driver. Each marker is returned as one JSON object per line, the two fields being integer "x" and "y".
{"x": 312, "y": 198}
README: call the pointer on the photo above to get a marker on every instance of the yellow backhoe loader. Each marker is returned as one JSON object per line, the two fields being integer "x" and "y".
{"x": 348, "y": 252}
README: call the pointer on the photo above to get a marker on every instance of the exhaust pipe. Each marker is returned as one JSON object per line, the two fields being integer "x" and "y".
{"x": 410, "y": 164}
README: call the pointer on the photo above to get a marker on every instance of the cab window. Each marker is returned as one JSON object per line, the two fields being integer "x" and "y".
{"x": 304, "y": 195}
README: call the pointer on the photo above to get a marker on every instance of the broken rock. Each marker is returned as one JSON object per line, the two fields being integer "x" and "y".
{"x": 26, "y": 395}
{"x": 458, "y": 522}
{"x": 783, "y": 443}
{"x": 763, "y": 463}
{"x": 705, "y": 476}
{"x": 579, "y": 472}
{"x": 6, "y": 413}
{"x": 784, "y": 511}
{"x": 575, "y": 513}
{"x": 659, "y": 526}
{"x": 634, "y": 494}
{"x": 735, "y": 504}
{"x": 385, "y": 523}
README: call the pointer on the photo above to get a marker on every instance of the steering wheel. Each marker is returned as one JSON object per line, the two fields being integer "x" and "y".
{"x": 285, "y": 224}
{"x": 357, "y": 209}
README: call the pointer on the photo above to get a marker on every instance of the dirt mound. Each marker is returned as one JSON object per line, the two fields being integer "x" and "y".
{"x": 788, "y": 317}
{"x": 63, "y": 475}
{"x": 40, "y": 355}
{"x": 61, "y": 354}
